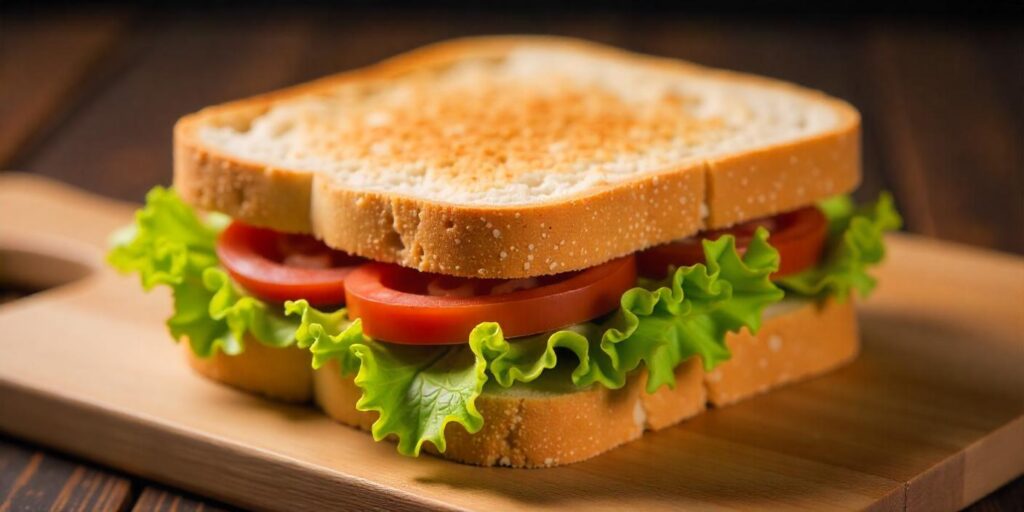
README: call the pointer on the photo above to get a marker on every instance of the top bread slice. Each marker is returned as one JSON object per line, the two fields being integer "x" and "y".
{"x": 506, "y": 157}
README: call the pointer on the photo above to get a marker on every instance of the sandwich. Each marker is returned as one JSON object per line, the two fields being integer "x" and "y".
{"x": 515, "y": 251}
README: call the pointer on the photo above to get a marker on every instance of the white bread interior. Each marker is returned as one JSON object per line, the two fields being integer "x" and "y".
{"x": 516, "y": 156}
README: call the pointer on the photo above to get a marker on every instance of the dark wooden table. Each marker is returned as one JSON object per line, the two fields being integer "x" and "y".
{"x": 89, "y": 97}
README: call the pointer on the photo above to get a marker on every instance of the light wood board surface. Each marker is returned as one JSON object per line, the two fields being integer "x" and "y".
{"x": 930, "y": 417}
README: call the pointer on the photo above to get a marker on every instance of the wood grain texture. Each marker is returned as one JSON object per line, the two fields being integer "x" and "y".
{"x": 914, "y": 85}
{"x": 33, "y": 480}
{"x": 927, "y": 418}
{"x": 118, "y": 141}
{"x": 158, "y": 499}
{"x": 1009, "y": 497}
{"x": 954, "y": 132}
{"x": 46, "y": 67}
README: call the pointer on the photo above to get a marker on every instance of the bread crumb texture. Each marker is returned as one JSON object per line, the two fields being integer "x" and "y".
{"x": 514, "y": 157}
{"x": 534, "y": 125}
{"x": 550, "y": 422}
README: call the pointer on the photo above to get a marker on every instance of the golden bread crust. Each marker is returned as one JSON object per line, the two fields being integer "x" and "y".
{"x": 284, "y": 374}
{"x": 511, "y": 241}
{"x": 543, "y": 429}
{"x": 548, "y": 430}
{"x": 809, "y": 340}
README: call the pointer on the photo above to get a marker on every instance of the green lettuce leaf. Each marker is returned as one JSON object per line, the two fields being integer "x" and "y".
{"x": 170, "y": 245}
{"x": 418, "y": 390}
{"x": 855, "y": 243}
{"x": 659, "y": 326}
{"x": 167, "y": 245}
{"x": 243, "y": 314}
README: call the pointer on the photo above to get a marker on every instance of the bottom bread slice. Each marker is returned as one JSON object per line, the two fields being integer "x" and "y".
{"x": 798, "y": 339}
{"x": 550, "y": 422}
{"x": 284, "y": 374}
{"x": 547, "y": 424}
{"x": 544, "y": 423}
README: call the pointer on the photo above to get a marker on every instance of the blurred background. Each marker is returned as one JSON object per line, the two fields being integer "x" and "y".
{"x": 89, "y": 93}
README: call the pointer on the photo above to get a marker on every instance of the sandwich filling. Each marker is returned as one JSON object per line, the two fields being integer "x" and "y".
{"x": 422, "y": 346}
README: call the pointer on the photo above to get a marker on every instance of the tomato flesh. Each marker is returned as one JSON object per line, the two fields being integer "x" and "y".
{"x": 277, "y": 266}
{"x": 799, "y": 236}
{"x": 402, "y": 305}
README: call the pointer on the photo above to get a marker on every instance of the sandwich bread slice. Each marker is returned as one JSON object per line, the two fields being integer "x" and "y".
{"x": 518, "y": 251}
{"x": 470, "y": 157}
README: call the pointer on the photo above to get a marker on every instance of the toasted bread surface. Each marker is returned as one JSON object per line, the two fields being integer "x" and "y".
{"x": 516, "y": 156}
{"x": 537, "y": 426}
{"x": 280, "y": 373}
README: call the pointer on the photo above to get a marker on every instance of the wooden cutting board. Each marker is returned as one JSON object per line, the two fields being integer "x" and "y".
{"x": 930, "y": 417}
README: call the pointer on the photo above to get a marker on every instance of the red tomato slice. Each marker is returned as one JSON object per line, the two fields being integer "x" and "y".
{"x": 277, "y": 266}
{"x": 402, "y": 305}
{"x": 799, "y": 237}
